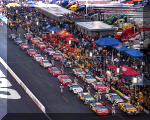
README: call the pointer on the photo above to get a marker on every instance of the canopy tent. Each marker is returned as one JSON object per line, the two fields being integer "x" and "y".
{"x": 107, "y": 41}
{"x": 61, "y": 32}
{"x": 141, "y": 80}
{"x": 134, "y": 53}
{"x": 53, "y": 29}
{"x": 13, "y": 5}
{"x": 126, "y": 70}
{"x": 120, "y": 47}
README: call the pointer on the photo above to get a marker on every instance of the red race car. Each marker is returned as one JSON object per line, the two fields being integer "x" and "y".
{"x": 57, "y": 56}
{"x": 64, "y": 79}
{"x": 54, "y": 71}
{"x": 24, "y": 46}
{"x": 37, "y": 57}
{"x": 41, "y": 45}
{"x": 31, "y": 52}
{"x": 99, "y": 86}
{"x": 35, "y": 40}
{"x": 99, "y": 109}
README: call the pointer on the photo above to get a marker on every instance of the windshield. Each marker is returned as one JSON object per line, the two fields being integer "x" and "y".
{"x": 129, "y": 106}
{"x": 100, "y": 85}
{"x": 100, "y": 107}
{"x": 79, "y": 70}
{"x": 46, "y": 61}
{"x": 55, "y": 69}
{"x": 50, "y": 49}
{"x": 76, "y": 86}
{"x": 66, "y": 78}
{"x": 89, "y": 77}
{"x": 32, "y": 50}
{"x": 38, "y": 55}
{"x": 116, "y": 96}
{"x": 41, "y": 44}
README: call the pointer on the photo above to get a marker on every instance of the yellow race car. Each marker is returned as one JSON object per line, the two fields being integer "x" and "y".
{"x": 128, "y": 108}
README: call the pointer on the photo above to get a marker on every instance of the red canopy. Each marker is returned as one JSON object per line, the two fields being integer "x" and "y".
{"x": 112, "y": 66}
{"x": 126, "y": 70}
{"x": 70, "y": 38}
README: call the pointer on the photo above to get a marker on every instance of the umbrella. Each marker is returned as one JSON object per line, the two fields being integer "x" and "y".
{"x": 107, "y": 41}
{"x": 70, "y": 38}
{"x": 13, "y": 5}
{"x": 112, "y": 66}
{"x": 53, "y": 29}
{"x": 61, "y": 32}
{"x": 134, "y": 53}
{"x": 120, "y": 47}
{"x": 126, "y": 70}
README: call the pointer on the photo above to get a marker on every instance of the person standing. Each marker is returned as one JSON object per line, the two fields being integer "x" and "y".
{"x": 52, "y": 61}
{"x": 88, "y": 89}
{"x": 75, "y": 80}
{"x": 61, "y": 88}
{"x": 113, "y": 109}
{"x": 96, "y": 96}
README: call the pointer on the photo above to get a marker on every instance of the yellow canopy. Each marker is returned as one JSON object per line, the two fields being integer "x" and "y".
{"x": 13, "y": 5}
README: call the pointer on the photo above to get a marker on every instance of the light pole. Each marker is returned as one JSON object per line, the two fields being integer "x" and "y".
{"x": 134, "y": 82}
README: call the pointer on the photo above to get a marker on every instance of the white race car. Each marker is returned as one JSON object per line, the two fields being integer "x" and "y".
{"x": 114, "y": 98}
{"x": 75, "y": 88}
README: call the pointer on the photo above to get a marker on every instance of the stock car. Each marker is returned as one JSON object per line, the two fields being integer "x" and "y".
{"x": 41, "y": 45}
{"x": 18, "y": 41}
{"x": 99, "y": 108}
{"x": 31, "y": 52}
{"x": 54, "y": 71}
{"x": 75, "y": 88}
{"x": 57, "y": 56}
{"x": 45, "y": 63}
{"x": 86, "y": 97}
{"x": 99, "y": 86}
{"x": 89, "y": 79}
{"x": 64, "y": 79}
{"x": 79, "y": 72}
{"x": 114, "y": 98}
{"x": 49, "y": 51}
{"x": 24, "y": 46}
{"x": 128, "y": 108}
{"x": 28, "y": 36}
{"x": 12, "y": 36}
{"x": 35, "y": 40}
{"x": 37, "y": 57}
{"x": 67, "y": 63}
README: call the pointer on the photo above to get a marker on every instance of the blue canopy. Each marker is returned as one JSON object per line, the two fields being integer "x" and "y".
{"x": 120, "y": 47}
{"x": 53, "y": 29}
{"x": 142, "y": 80}
{"x": 134, "y": 53}
{"x": 107, "y": 41}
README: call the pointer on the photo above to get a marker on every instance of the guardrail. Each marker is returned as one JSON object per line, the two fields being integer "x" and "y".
{"x": 31, "y": 95}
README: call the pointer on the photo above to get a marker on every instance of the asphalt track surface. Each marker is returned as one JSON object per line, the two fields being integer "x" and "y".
{"x": 13, "y": 107}
{"x": 65, "y": 106}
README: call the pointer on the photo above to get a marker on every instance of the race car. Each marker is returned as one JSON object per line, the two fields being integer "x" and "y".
{"x": 99, "y": 108}
{"x": 79, "y": 72}
{"x": 18, "y": 41}
{"x": 49, "y": 51}
{"x": 75, "y": 88}
{"x": 64, "y": 79}
{"x": 37, "y": 57}
{"x": 35, "y": 40}
{"x": 28, "y": 36}
{"x": 57, "y": 56}
{"x": 114, "y": 98}
{"x": 12, "y": 36}
{"x": 54, "y": 71}
{"x": 86, "y": 97}
{"x": 31, "y": 52}
{"x": 128, "y": 108}
{"x": 99, "y": 86}
{"x": 89, "y": 79}
{"x": 24, "y": 46}
{"x": 45, "y": 63}
{"x": 41, "y": 45}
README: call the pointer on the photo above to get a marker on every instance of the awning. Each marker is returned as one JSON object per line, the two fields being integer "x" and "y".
{"x": 126, "y": 70}
{"x": 120, "y": 47}
{"x": 134, "y": 53}
{"x": 107, "y": 41}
